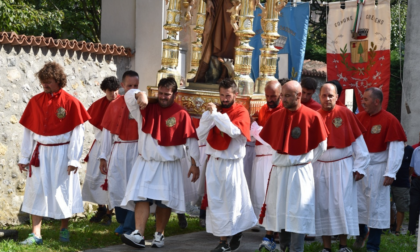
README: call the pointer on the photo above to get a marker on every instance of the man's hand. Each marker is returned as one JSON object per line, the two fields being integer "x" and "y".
{"x": 195, "y": 171}
{"x": 357, "y": 176}
{"x": 388, "y": 181}
{"x": 142, "y": 100}
{"x": 211, "y": 106}
{"x": 70, "y": 169}
{"x": 22, "y": 167}
{"x": 103, "y": 166}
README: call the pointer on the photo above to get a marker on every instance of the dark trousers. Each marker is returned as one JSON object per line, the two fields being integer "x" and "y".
{"x": 374, "y": 239}
{"x": 414, "y": 205}
{"x": 125, "y": 218}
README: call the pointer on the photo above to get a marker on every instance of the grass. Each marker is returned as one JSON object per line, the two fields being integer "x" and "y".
{"x": 85, "y": 235}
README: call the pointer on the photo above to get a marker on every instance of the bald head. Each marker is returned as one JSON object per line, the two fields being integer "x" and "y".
{"x": 291, "y": 94}
{"x": 272, "y": 93}
{"x": 328, "y": 96}
{"x": 329, "y": 86}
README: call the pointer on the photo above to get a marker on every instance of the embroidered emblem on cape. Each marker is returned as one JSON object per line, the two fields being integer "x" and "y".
{"x": 376, "y": 129}
{"x": 296, "y": 132}
{"x": 130, "y": 116}
{"x": 61, "y": 113}
{"x": 170, "y": 122}
{"x": 337, "y": 122}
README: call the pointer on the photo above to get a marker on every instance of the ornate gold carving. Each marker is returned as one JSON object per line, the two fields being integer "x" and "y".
{"x": 376, "y": 129}
{"x": 170, "y": 122}
{"x": 61, "y": 113}
{"x": 337, "y": 122}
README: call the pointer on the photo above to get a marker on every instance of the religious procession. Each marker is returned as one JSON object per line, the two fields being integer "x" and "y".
{"x": 212, "y": 125}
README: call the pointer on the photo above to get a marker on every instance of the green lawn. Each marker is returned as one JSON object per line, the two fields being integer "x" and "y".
{"x": 85, "y": 235}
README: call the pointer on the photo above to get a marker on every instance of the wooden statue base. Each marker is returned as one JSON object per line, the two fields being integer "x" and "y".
{"x": 194, "y": 97}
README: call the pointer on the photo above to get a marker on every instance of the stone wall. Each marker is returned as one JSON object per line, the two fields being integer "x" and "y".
{"x": 18, "y": 84}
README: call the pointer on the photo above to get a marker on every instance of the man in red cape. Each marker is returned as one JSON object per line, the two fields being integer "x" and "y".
{"x": 92, "y": 190}
{"x": 385, "y": 139}
{"x": 309, "y": 86}
{"x": 337, "y": 171}
{"x": 119, "y": 151}
{"x": 165, "y": 129}
{"x": 52, "y": 146}
{"x": 298, "y": 136}
{"x": 261, "y": 166}
{"x": 227, "y": 130}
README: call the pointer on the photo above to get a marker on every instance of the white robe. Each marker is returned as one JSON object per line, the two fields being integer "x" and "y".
{"x": 92, "y": 190}
{"x": 261, "y": 167}
{"x": 336, "y": 190}
{"x": 230, "y": 210}
{"x": 373, "y": 198}
{"x": 122, "y": 155}
{"x": 51, "y": 192}
{"x": 157, "y": 172}
{"x": 291, "y": 192}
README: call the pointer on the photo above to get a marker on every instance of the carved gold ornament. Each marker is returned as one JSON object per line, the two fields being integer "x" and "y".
{"x": 376, "y": 129}
{"x": 337, "y": 122}
{"x": 170, "y": 122}
{"x": 61, "y": 113}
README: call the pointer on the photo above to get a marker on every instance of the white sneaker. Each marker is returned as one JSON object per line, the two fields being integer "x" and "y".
{"x": 135, "y": 239}
{"x": 158, "y": 241}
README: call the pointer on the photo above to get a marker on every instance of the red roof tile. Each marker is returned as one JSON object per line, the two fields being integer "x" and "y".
{"x": 41, "y": 41}
{"x": 314, "y": 68}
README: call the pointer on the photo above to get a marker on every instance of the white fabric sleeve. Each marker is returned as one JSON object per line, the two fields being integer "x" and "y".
{"x": 361, "y": 155}
{"x": 133, "y": 106}
{"x": 322, "y": 147}
{"x": 206, "y": 124}
{"x": 193, "y": 151}
{"x": 106, "y": 144}
{"x": 395, "y": 157}
{"x": 255, "y": 132}
{"x": 222, "y": 121}
{"x": 26, "y": 147}
{"x": 75, "y": 149}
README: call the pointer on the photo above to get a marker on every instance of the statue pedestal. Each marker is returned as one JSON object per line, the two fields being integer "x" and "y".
{"x": 196, "y": 95}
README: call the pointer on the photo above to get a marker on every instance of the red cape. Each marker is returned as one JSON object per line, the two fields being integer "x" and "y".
{"x": 313, "y": 105}
{"x": 382, "y": 128}
{"x": 97, "y": 111}
{"x": 343, "y": 126}
{"x": 170, "y": 126}
{"x": 52, "y": 115}
{"x": 265, "y": 113}
{"x": 239, "y": 116}
{"x": 278, "y": 131}
{"x": 339, "y": 103}
{"x": 117, "y": 120}
{"x": 196, "y": 122}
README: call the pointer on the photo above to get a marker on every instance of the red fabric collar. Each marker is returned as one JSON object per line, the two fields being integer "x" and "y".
{"x": 284, "y": 123}
{"x": 343, "y": 126}
{"x": 313, "y": 105}
{"x": 52, "y": 115}
{"x": 118, "y": 121}
{"x": 239, "y": 116}
{"x": 265, "y": 113}
{"x": 97, "y": 111}
{"x": 170, "y": 126}
{"x": 382, "y": 128}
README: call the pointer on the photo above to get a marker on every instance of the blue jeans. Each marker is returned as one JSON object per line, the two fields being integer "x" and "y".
{"x": 374, "y": 239}
{"x": 295, "y": 241}
{"x": 126, "y": 218}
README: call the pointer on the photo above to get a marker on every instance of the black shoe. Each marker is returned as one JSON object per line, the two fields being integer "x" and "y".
{"x": 182, "y": 221}
{"x": 100, "y": 213}
{"x": 235, "y": 242}
{"x": 222, "y": 247}
{"x": 107, "y": 220}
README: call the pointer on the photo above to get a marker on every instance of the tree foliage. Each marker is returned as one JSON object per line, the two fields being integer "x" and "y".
{"x": 71, "y": 19}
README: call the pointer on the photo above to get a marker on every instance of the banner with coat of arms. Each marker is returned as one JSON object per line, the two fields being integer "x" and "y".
{"x": 293, "y": 30}
{"x": 358, "y": 46}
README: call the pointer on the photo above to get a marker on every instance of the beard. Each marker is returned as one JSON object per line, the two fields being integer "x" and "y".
{"x": 227, "y": 105}
{"x": 273, "y": 104}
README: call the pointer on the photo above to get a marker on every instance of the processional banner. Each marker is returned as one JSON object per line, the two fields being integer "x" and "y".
{"x": 358, "y": 46}
{"x": 293, "y": 30}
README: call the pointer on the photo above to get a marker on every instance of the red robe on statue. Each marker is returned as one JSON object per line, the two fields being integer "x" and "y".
{"x": 313, "y": 105}
{"x": 382, "y": 128}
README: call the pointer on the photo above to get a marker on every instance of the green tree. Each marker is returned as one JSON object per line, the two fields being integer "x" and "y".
{"x": 360, "y": 51}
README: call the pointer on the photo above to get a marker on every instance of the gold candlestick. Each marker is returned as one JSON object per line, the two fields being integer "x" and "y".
{"x": 197, "y": 45}
{"x": 269, "y": 23}
{"x": 170, "y": 50}
{"x": 242, "y": 24}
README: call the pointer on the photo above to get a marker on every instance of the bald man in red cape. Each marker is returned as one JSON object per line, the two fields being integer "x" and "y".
{"x": 385, "y": 139}
{"x": 229, "y": 211}
{"x": 165, "y": 131}
{"x": 298, "y": 136}
{"x": 52, "y": 146}
{"x": 337, "y": 171}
